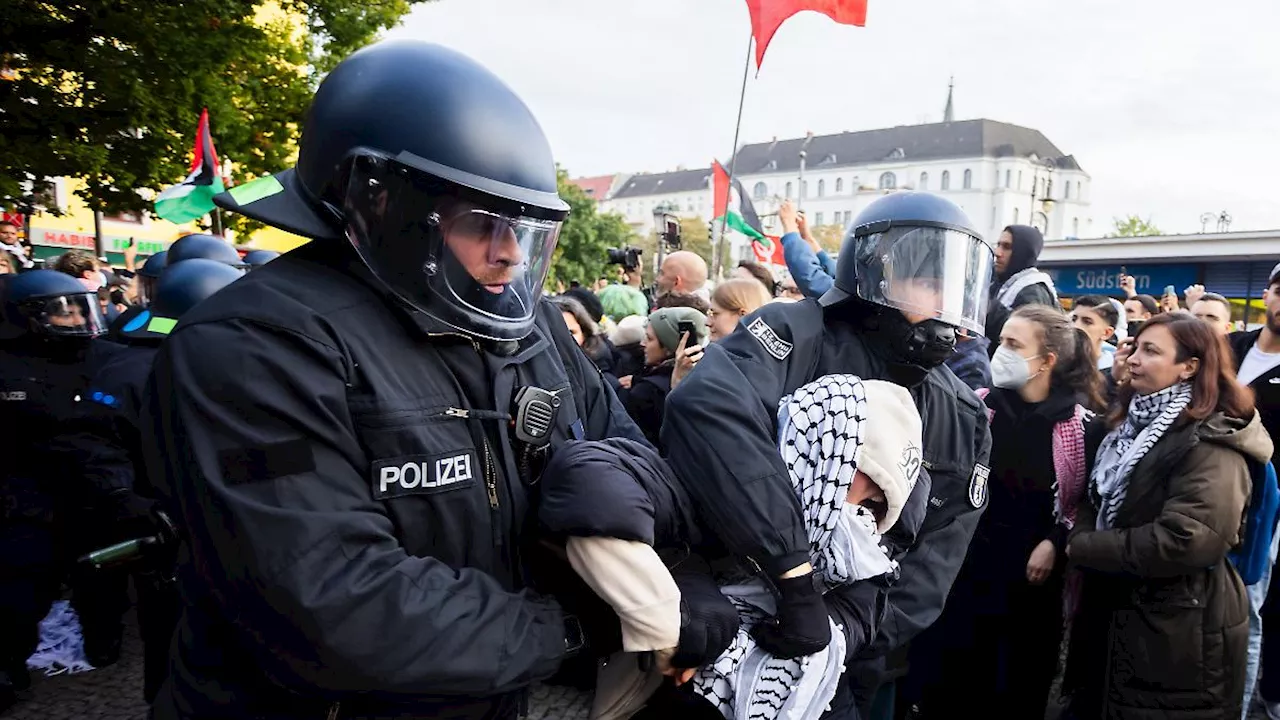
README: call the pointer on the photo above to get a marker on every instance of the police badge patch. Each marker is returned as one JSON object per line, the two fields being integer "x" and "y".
{"x": 978, "y": 485}
{"x": 774, "y": 345}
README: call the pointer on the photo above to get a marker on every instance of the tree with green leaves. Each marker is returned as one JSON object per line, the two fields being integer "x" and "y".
{"x": 1134, "y": 226}
{"x": 582, "y": 253}
{"x": 110, "y": 91}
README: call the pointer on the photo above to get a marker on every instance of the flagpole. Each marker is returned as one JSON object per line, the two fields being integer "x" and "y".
{"x": 718, "y": 259}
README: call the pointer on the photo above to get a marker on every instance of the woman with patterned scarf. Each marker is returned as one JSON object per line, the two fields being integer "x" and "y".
{"x": 1162, "y": 627}
{"x": 999, "y": 636}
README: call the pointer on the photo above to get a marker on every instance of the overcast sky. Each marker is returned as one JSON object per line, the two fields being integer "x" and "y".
{"x": 1172, "y": 106}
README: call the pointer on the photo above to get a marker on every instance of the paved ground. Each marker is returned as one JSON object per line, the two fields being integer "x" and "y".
{"x": 115, "y": 693}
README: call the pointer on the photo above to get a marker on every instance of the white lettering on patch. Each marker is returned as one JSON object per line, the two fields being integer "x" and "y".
{"x": 774, "y": 345}
{"x": 423, "y": 475}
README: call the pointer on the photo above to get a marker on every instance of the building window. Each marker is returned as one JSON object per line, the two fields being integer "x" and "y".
{"x": 804, "y": 189}
{"x": 1066, "y": 191}
{"x": 759, "y": 191}
{"x": 888, "y": 181}
{"x": 817, "y": 219}
{"x": 1008, "y": 178}
{"x": 839, "y": 185}
{"x": 924, "y": 181}
{"x": 822, "y": 189}
{"x": 848, "y": 217}
{"x": 788, "y": 194}
{"x": 993, "y": 216}
{"x": 968, "y": 179}
{"x": 946, "y": 180}
{"x": 1015, "y": 216}
{"x": 1019, "y": 179}
{"x": 125, "y": 217}
{"x": 1075, "y": 227}
{"x": 1079, "y": 195}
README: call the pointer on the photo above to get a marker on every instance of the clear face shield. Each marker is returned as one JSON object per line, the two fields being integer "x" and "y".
{"x": 146, "y": 290}
{"x": 927, "y": 273}
{"x": 71, "y": 316}
{"x": 468, "y": 260}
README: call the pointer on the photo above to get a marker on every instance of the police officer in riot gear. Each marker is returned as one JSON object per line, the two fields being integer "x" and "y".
{"x": 59, "y": 494}
{"x": 199, "y": 245}
{"x": 344, "y": 434}
{"x": 911, "y": 271}
{"x": 257, "y": 258}
{"x": 119, "y": 384}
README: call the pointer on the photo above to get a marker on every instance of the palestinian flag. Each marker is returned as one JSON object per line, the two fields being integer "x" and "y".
{"x": 735, "y": 210}
{"x": 194, "y": 197}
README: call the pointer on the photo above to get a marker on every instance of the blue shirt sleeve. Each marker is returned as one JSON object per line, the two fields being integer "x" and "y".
{"x": 828, "y": 265}
{"x": 810, "y": 276}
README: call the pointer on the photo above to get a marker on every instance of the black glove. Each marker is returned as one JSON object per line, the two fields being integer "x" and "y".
{"x": 708, "y": 621}
{"x": 801, "y": 626}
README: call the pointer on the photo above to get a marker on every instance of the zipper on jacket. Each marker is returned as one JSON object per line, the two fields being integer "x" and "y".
{"x": 491, "y": 485}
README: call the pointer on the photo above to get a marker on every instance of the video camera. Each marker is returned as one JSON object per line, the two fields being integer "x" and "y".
{"x": 628, "y": 257}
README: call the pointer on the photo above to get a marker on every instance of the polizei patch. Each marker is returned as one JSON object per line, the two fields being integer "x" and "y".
{"x": 775, "y": 345}
{"x": 978, "y": 485}
{"x": 423, "y": 474}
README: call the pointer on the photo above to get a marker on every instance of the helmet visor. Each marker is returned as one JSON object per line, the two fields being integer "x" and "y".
{"x": 927, "y": 273}
{"x": 77, "y": 315}
{"x": 466, "y": 259}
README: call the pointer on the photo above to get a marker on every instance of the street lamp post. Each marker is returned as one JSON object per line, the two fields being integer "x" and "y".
{"x": 800, "y": 202}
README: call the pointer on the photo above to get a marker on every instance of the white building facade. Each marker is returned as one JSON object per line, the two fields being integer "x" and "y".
{"x": 999, "y": 174}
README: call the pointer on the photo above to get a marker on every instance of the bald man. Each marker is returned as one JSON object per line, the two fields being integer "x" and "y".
{"x": 682, "y": 272}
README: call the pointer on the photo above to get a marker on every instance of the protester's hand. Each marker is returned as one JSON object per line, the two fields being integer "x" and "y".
{"x": 708, "y": 621}
{"x": 681, "y": 676}
{"x": 686, "y": 358}
{"x": 1129, "y": 285}
{"x": 1040, "y": 565}
{"x": 625, "y": 381}
{"x": 1120, "y": 363}
{"x": 787, "y": 215}
{"x": 801, "y": 626}
{"x": 1193, "y": 295}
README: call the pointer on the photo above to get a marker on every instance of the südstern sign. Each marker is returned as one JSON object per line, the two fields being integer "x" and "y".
{"x": 1072, "y": 280}
{"x": 84, "y": 241}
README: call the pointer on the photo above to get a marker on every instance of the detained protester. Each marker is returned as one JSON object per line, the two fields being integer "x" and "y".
{"x": 348, "y": 435}
{"x": 911, "y": 271}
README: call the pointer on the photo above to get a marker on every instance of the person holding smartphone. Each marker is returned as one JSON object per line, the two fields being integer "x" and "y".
{"x": 671, "y": 333}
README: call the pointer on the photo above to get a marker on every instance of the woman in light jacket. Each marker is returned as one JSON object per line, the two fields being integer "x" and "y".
{"x": 1163, "y": 621}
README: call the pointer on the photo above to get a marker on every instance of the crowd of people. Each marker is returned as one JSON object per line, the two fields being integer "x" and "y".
{"x": 383, "y": 477}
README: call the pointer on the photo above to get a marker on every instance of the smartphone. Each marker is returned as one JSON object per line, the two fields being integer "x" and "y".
{"x": 686, "y": 327}
{"x": 130, "y": 243}
{"x": 1168, "y": 290}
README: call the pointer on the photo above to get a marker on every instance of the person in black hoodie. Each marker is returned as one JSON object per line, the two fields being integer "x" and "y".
{"x": 999, "y": 636}
{"x": 1017, "y": 280}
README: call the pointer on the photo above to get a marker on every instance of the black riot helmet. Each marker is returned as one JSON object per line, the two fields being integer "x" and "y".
{"x": 207, "y": 247}
{"x": 148, "y": 274}
{"x": 258, "y": 258}
{"x": 51, "y": 304}
{"x": 918, "y": 254}
{"x": 188, "y": 283}
{"x": 439, "y": 176}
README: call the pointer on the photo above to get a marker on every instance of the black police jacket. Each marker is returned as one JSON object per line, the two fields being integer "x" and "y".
{"x": 351, "y": 529}
{"x": 56, "y": 458}
{"x": 730, "y": 403}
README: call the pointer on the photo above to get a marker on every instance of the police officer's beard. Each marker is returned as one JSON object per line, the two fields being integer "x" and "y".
{"x": 504, "y": 304}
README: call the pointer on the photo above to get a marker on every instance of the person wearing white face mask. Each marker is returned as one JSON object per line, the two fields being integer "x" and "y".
{"x": 999, "y": 635}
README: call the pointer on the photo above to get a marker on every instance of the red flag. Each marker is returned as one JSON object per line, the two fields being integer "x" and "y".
{"x": 768, "y": 15}
{"x": 770, "y": 253}
{"x": 720, "y": 188}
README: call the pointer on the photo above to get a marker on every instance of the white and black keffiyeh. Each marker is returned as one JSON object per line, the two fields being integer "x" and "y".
{"x": 819, "y": 437}
{"x": 1150, "y": 416}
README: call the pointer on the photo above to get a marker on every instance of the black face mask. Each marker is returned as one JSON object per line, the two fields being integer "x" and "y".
{"x": 923, "y": 345}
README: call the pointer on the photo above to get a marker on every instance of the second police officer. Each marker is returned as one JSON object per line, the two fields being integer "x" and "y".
{"x": 350, "y": 433}
{"x": 912, "y": 270}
